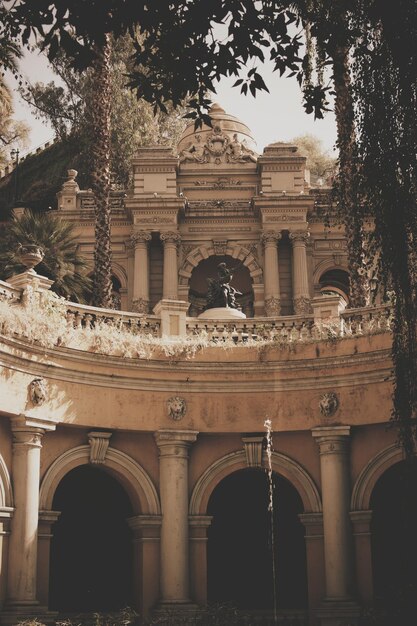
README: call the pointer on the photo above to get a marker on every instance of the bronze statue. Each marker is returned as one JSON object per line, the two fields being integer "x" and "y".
{"x": 220, "y": 293}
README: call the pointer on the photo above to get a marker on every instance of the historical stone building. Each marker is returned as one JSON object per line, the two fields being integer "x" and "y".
{"x": 142, "y": 482}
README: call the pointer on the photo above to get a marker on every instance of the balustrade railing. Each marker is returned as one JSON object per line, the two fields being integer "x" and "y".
{"x": 367, "y": 321}
{"x": 283, "y": 329}
{"x": 7, "y": 292}
{"x": 88, "y": 317}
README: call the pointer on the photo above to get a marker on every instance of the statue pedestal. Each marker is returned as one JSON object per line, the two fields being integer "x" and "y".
{"x": 221, "y": 313}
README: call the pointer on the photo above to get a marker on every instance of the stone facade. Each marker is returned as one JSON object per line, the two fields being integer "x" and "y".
{"x": 171, "y": 430}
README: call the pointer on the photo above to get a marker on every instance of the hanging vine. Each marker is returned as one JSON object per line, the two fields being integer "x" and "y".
{"x": 385, "y": 90}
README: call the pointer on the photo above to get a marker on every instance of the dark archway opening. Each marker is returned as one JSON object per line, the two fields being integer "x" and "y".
{"x": 207, "y": 268}
{"x": 239, "y": 544}
{"x": 394, "y": 542}
{"x": 336, "y": 281}
{"x": 91, "y": 549}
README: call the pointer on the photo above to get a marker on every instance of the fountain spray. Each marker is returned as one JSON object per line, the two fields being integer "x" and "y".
{"x": 269, "y": 450}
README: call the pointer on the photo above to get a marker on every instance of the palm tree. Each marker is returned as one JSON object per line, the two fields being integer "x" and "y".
{"x": 100, "y": 110}
{"x": 62, "y": 263}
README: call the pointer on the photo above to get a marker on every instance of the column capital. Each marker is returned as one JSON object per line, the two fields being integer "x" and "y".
{"x": 332, "y": 439}
{"x": 175, "y": 442}
{"x": 299, "y": 237}
{"x": 29, "y": 431}
{"x": 140, "y": 237}
{"x": 270, "y": 237}
{"x": 170, "y": 237}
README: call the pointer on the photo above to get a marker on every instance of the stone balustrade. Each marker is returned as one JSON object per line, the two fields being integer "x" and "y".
{"x": 328, "y": 322}
{"x": 84, "y": 316}
{"x": 7, "y": 292}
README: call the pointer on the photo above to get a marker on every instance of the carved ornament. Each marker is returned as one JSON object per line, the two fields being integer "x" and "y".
{"x": 99, "y": 443}
{"x": 270, "y": 237}
{"x": 38, "y": 392}
{"x": 272, "y": 306}
{"x": 329, "y": 403}
{"x": 177, "y": 408}
{"x": 218, "y": 148}
{"x": 253, "y": 450}
{"x": 171, "y": 237}
{"x": 300, "y": 236}
{"x": 140, "y": 305}
{"x": 140, "y": 236}
{"x": 302, "y": 306}
{"x": 220, "y": 246}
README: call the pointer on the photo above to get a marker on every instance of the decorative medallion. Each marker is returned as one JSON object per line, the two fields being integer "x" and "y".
{"x": 177, "y": 408}
{"x": 37, "y": 391}
{"x": 329, "y": 403}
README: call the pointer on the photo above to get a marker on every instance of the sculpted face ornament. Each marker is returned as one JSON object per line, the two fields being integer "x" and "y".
{"x": 177, "y": 408}
{"x": 37, "y": 391}
{"x": 329, "y": 403}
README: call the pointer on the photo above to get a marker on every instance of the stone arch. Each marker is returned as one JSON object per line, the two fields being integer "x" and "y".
{"x": 130, "y": 474}
{"x": 325, "y": 266}
{"x": 373, "y": 470}
{"x": 237, "y": 251}
{"x": 120, "y": 273}
{"x": 281, "y": 464}
{"x": 6, "y": 494}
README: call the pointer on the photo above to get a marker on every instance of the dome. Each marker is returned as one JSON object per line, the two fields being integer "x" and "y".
{"x": 229, "y": 125}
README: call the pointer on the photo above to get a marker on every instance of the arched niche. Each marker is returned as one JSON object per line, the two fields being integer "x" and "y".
{"x": 126, "y": 470}
{"x": 201, "y": 263}
{"x": 329, "y": 277}
{"x": 281, "y": 464}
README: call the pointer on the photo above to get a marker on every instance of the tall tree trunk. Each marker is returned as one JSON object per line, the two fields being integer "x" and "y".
{"x": 347, "y": 184}
{"x": 100, "y": 175}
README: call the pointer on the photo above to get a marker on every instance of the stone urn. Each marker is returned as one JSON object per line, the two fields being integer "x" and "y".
{"x": 30, "y": 255}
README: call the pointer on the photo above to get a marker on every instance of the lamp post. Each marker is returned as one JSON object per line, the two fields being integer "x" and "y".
{"x": 15, "y": 155}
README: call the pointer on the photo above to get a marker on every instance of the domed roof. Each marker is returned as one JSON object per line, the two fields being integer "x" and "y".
{"x": 229, "y": 124}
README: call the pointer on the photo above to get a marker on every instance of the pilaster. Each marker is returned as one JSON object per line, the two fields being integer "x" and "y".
{"x": 301, "y": 295}
{"x": 146, "y": 530}
{"x": 270, "y": 240}
{"x": 171, "y": 241}
{"x": 140, "y": 300}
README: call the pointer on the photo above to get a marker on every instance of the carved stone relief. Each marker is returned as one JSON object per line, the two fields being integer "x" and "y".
{"x": 329, "y": 403}
{"x": 177, "y": 408}
{"x": 218, "y": 148}
{"x": 38, "y": 392}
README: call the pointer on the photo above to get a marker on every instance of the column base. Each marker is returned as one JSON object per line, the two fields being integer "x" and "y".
{"x": 338, "y": 613}
{"x": 169, "y": 613}
{"x": 16, "y": 612}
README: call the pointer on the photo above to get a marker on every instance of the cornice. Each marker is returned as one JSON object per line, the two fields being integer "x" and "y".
{"x": 220, "y": 373}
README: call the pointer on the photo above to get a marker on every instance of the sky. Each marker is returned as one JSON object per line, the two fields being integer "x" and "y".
{"x": 274, "y": 116}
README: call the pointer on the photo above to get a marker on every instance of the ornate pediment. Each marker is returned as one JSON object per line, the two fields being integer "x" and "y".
{"x": 217, "y": 147}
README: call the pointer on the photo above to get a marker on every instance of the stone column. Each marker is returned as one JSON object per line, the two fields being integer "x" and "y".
{"x": 140, "y": 300}
{"x": 27, "y": 437}
{"x": 199, "y": 525}
{"x": 333, "y": 443}
{"x": 271, "y": 273}
{"x": 173, "y": 477}
{"x": 301, "y": 294}
{"x": 170, "y": 280}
